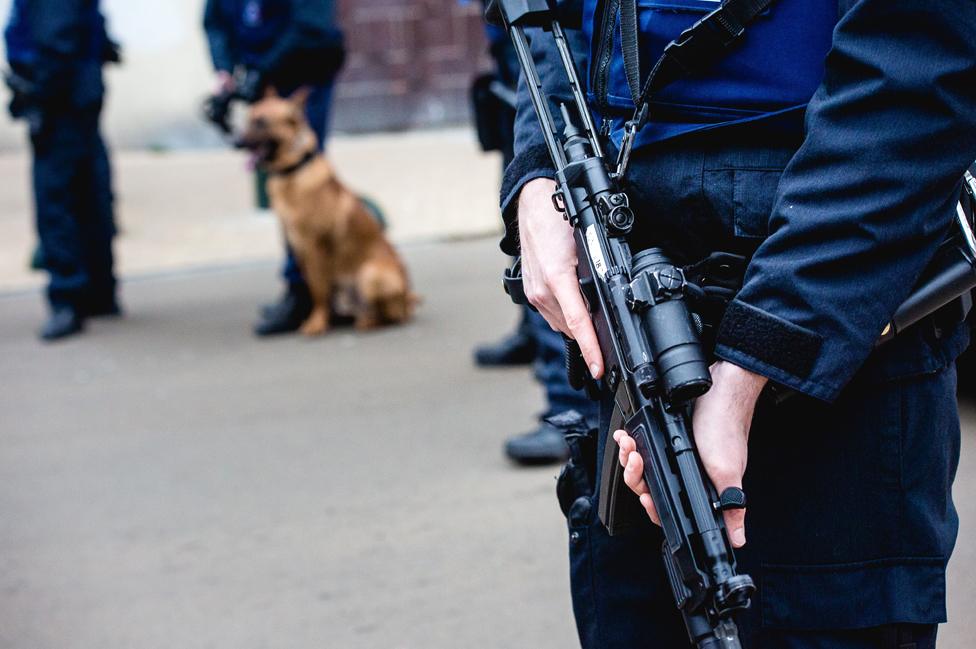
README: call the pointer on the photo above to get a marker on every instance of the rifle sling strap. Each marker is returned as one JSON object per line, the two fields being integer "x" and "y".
{"x": 697, "y": 48}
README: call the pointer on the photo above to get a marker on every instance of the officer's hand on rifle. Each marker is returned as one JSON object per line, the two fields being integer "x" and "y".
{"x": 549, "y": 269}
{"x": 721, "y": 423}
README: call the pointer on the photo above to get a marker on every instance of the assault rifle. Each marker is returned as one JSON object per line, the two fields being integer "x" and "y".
{"x": 655, "y": 364}
{"x": 654, "y": 360}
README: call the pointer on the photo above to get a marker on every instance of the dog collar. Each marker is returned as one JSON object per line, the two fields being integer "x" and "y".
{"x": 287, "y": 171}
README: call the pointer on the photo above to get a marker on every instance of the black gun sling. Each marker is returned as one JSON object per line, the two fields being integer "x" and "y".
{"x": 695, "y": 50}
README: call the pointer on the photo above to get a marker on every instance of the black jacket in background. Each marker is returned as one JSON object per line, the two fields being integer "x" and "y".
{"x": 290, "y": 42}
{"x": 65, "y": 44}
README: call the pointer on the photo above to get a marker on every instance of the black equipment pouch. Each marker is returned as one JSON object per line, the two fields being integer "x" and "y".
{"x": 578, "y": 477}
{"x": 494, "y": 110}
{"x": 712, "y": 283}
{"x": 25, "y": 102}
{"x": 512, "y": 283}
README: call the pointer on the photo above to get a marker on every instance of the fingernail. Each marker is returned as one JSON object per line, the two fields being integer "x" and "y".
{"x": 739, "y": 537}
{"x": 616, "y": 436}
{"x": 594, "y": 369}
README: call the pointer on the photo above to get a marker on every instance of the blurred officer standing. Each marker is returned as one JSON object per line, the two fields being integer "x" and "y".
{"x": 56, "y": 49}
{"x": 534, "y": 340}
{"x": 280, "y": 44}
{"x": 493, "y": 99}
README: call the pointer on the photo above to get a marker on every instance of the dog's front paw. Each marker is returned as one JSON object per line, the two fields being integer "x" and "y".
{"x": 316, "y": 324}
{"x": 366, "y": 321}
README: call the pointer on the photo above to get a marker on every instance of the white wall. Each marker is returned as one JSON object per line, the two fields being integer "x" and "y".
{"x": 154, "y": 99}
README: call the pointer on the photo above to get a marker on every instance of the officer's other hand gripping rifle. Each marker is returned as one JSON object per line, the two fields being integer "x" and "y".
{"x": 655, "y": 365}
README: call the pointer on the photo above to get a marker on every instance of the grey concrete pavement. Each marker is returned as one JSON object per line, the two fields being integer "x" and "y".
{"x": 169, "y": 481}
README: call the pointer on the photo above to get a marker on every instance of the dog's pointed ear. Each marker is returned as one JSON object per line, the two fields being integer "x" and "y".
{"x": 300, "y": 97}
{"x": 271, "y": 93}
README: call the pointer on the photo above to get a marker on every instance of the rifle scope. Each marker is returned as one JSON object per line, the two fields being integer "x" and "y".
{"x": 673, "y": 336}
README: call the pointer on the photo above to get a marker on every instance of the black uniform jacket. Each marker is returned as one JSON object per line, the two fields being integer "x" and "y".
{"x": 265, "y": 34}
{"x": 69, "y": 44}
{"x": 862, "y": 206}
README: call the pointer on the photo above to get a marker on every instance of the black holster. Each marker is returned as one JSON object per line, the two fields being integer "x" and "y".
{"x": 578, "y": 478}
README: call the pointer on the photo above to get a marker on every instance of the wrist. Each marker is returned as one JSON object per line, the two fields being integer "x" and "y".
{"x": 537, "y": 189}
{"x": 535, "y": 201}
{"x": 744, "y": 385}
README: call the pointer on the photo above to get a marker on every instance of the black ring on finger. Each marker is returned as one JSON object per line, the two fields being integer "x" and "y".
{"x": 732, "y": 498}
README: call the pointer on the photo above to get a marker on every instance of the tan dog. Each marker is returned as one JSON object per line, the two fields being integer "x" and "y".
{"x": 348, "y": 264}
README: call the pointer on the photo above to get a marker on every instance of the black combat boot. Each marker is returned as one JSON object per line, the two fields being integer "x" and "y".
{"x": 287, "y": 315}
{"x": 110, "y": 309}
{"x": 100, "y": 304}
{"x": 64, "y": 321}
{"x": 518, "y": 348}
{"x": 544, "y": 445}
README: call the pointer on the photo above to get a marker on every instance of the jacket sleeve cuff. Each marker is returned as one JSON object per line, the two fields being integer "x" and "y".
{"x": 766, "y": 344}
{"x": 532, "y": 163}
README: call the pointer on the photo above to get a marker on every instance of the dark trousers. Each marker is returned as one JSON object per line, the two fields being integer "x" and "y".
{"x": 850, "y": 522}
{"x": 550, "y": 361}
{"x": 317, "y": 111}
{"x": 73, "y": 205}
{"x": 550, "y": 371}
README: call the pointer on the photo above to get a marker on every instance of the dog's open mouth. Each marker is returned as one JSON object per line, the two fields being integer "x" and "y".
{"x": 262, "y": 153}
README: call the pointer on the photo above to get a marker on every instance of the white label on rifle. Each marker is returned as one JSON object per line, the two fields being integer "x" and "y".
{"x": 596, "y": 252}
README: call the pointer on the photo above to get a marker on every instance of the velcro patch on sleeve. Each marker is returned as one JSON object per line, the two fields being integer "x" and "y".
{"x": 769, "y": 339}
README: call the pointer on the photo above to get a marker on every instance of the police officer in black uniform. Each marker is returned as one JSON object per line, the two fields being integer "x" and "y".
{"x": 56, "y": 49}
{"x": 284, "y": 44}
{"x": 828, "y": 148}
{"x": 494, "y": 114}
{"x": 534, "y": 341}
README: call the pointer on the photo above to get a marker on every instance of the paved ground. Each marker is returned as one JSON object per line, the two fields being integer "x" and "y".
{"x": 169, "y": 481}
